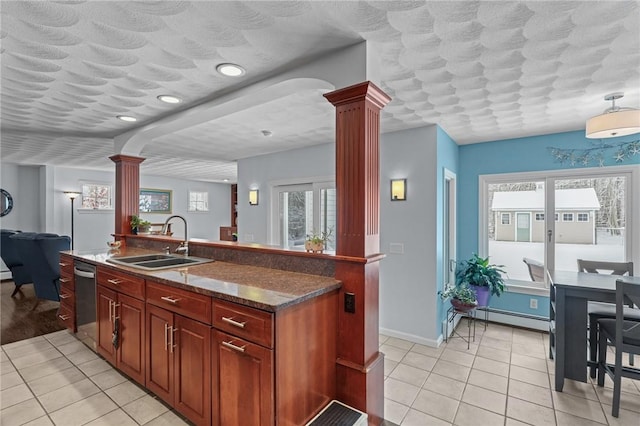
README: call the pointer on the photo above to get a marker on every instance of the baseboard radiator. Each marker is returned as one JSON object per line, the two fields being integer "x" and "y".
{"x": 338, "y": 414}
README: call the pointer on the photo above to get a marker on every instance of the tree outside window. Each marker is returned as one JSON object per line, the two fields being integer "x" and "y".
{"x": 96, "y": 196}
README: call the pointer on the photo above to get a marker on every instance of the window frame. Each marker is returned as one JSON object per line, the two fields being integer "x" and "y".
{"x": 632, "y": 204}
{"x": 541, "y": 215}
{"x": 583, "y": 214}
{"x": 502, "y": 216}
{"x": 206, "y": 195}
{"x": 565, "y": 214}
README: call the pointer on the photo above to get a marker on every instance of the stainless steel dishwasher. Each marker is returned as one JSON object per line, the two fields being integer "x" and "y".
{"x": 85, "y": 283}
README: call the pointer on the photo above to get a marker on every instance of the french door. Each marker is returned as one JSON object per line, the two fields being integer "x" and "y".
{"x": 555, "y": 219}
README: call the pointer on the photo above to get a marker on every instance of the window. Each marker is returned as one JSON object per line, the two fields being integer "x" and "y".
{"x": 96, "y": 196}
{"x": 505, "y": 218}
{"x": 303, "y": 209}
{"x": 600, "y": 199}
{"x": 198, "y": 201}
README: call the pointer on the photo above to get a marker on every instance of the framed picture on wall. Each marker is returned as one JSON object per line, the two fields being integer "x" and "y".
{"x": 155, "y": 200}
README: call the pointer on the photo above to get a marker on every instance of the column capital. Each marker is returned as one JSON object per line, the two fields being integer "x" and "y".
{"x": 366, "y": 90}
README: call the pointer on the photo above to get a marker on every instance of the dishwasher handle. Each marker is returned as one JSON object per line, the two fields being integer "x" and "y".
{"x": 84, "y": 274}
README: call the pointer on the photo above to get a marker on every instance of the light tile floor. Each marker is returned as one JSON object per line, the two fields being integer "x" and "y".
{"x": 504, "y": 378}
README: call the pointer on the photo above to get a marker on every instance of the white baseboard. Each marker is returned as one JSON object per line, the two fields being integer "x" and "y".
{"x": 411, "y": 337}
{"x": 5, "y": 275}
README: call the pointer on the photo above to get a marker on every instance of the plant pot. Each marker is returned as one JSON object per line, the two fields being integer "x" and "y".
{"x": 483, "y": 295}
{"x": 312, "y": 247}
{"x": 134, "y": 230}
{"x": 462, "y": 306}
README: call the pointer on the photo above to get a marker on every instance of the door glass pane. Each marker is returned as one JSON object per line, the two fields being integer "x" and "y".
{"x": 296, "y": 216}
{"x": 516, "y": 228}
{"x": 328, "y": 215}
{"x": 591, "y": 223}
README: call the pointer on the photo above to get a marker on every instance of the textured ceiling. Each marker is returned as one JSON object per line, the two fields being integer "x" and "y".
{"x": 481, "y": 70}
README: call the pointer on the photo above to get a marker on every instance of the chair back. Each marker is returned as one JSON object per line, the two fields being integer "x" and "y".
{"x": 627, "y": 293}
{"x": 536, "y": 269}
{"x": 11, "y": 258}
{"x": 40, "y": 253}
{"x": 599, "y": 267}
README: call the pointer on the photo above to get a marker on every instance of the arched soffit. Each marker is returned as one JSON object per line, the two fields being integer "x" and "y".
{"x": 336, "y": 70}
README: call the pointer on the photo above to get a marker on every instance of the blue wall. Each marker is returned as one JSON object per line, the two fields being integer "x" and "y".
{"x": 511, "y": 156}
{"x": 447, "y": 158}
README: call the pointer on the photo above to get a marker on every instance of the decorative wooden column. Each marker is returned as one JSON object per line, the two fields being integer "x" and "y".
{"x": 127, "y": 192}
{"x": 360, "y": 366}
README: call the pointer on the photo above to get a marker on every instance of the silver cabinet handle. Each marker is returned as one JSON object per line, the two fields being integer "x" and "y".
{"x": 166, "y": 336}
{"x": 170, "y": 299}
{"x": 233, "y": 322}
{"x": 64, "y": 317}
{"x": 230, "y": 345}
{"x": 62, "y": 265}
{"x": 64, "y": 280}
{"x": 64, "y": 296}
{"x": 115, "y": 282}
{"x": 173, "y": 345}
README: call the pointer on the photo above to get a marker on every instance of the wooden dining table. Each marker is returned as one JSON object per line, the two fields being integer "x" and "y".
{"x": 570, "y": 294}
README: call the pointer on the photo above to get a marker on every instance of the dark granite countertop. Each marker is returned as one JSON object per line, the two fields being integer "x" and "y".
{"x": 257, "y": 287}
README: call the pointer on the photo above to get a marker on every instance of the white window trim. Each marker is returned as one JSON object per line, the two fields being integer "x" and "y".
{"x": 502, "y": 214}
{"x": 189, "y": 201}
{"x": 83, "y": 210}
{"x": 536, "y": 217}
{"x": 632, "y": 204}
{"x": 582, "y": 221}
{"x": 275, "y": 186}
{"x": 568, "y": 220}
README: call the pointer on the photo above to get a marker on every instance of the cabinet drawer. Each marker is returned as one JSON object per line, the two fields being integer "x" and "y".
{"x": 186, "y": 303}
{"x": 66, "y": 281}
{"x": 67, "y": 296}
{"x": 66, "y": 265}
{"x": 123, "y": 283}
{"x": 249, "y": 323}
{"x": 66, "y": 317}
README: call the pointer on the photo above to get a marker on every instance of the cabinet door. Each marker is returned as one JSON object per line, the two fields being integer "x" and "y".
{"x": 159, "y": 356}
{"x": 130, "y": 313}
{"x": 106, "y": 307}
{"x": 193, "y": 370}
{"x": 243, "y": 382}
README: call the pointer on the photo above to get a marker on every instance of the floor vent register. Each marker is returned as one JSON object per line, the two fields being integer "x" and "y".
{"x": 338, "y": 414}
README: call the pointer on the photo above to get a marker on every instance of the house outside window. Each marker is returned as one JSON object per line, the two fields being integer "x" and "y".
{"x": 567, "y": 217}
{"x": 96, "y": 196}
{"x": 556, "y": 217}
{"x": 198, "y": 201}
{"x": 583, "y": 217}
{"x": 505, "y": 218}
{"x": 539, "y": 217}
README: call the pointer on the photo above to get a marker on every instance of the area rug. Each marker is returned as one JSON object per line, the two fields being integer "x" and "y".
{"x": 18, "y": 320}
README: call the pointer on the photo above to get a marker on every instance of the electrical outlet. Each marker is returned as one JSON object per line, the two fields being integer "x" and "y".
{"x": 533, "y": 303}
{"x": 350, "y": 303}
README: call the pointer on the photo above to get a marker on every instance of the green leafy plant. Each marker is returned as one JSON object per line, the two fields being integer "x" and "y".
{"x": 462, "y": 292}
{"x": 479, "y": 272}
{"x": 323, "y": 237}
{"x": 138, "y": 222}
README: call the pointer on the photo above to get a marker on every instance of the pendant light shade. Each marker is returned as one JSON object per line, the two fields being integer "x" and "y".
{"x": 614, "y": 122}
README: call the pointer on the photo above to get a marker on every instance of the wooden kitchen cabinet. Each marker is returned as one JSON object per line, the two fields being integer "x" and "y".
{"x": 67, "y": 310}
{"x": 243, "y": 374}
{"x": 120, "y": 319}
{"x": 179, "y": 351}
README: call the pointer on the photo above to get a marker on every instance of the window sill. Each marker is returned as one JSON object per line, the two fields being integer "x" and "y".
{"x": 527, "y": 287}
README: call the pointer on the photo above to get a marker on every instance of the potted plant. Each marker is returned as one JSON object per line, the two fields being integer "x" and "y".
{"x": 234, "y": 236}
{"x": 463, "y": 298}
{"x": 315, "y": 242}
{"x": 484, "y": 278}
{"x": 139, "y": 225}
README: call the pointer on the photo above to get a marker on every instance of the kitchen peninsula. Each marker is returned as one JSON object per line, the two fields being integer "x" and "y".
{"x": 223, "y": 343}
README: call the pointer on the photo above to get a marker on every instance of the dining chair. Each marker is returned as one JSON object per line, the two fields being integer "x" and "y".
{"x": 625, "y": 337}
{"x": 598, "y": 310}
{"x": 536, "y": 269}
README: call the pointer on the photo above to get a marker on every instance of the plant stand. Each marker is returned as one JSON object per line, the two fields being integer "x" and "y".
{"x": 470, "y": 315}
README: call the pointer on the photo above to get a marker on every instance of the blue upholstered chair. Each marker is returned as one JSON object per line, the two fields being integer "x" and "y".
{"x": 40, "y": 253}
{"x": 10, "y": 257}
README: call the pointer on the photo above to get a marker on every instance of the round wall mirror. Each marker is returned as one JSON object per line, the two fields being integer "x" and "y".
{"x": 6, "y": 202}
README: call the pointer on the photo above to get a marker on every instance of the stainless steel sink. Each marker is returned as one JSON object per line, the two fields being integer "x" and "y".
{"x": 152, "y": 262}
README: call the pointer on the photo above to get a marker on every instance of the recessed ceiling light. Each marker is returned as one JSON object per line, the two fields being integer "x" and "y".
{"x": 169, "y": 99}
{"x": 226, "y": 180}
{"x": 230, "y": 70}
{"x": 126, "y": 118}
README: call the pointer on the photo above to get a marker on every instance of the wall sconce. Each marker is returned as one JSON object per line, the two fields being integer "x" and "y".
{"x": 398, "y": 189}
{"x": 253, "y": 197}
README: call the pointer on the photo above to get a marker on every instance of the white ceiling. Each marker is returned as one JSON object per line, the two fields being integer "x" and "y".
{"x": 481, "y": 70}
